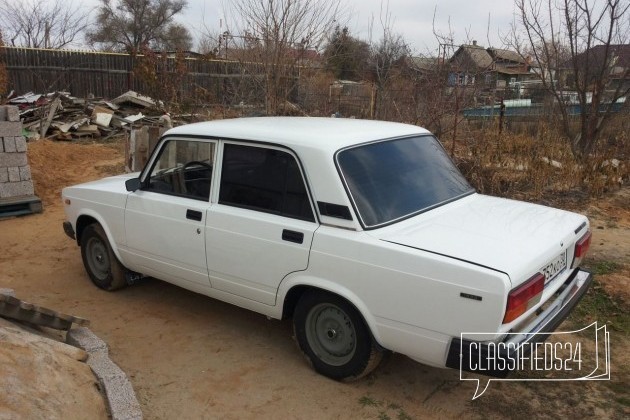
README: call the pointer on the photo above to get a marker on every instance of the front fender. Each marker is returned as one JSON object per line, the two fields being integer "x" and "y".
{"x": 111, "y": 237}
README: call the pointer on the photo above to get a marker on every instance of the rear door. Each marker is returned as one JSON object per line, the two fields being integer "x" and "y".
{"x": 165, "y": 219}
{"x": 262, "y": 227}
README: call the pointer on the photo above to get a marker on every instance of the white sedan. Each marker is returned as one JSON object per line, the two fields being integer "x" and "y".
{"x": 364, "y": 232}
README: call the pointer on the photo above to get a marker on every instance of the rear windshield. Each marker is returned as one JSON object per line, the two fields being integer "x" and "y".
{"x": 394, "y": 179}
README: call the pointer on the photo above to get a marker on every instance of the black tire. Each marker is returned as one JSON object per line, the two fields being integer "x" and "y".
{"x": 334, "y": 337}
{"x": 99, "y": 259}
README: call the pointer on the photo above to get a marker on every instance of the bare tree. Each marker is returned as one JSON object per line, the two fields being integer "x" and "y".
{"x": 576, "y": 45}
{"x": 42, "y": 23}
{"x": 385, "y": 55}
{"x": 126, "y": 25}
{"x": 279, "y": 34}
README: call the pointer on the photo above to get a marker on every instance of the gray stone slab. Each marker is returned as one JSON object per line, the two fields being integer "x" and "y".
{"x": 123, "y": 404}
{"x": 14, "y": 174}
{"x": 12, "y": 159}
{"x": 10, "y": 128}
{"x": 25, "y": 173}
{"x": 84, "y": 338}
{"x": 119, "y": 393}
{"x": 13, "y": 113}
{"x": 3, "y": 113}
{"x": 1, "y": 146}
{"x": 16, "y": 189}
{"x": 9, "y": 145}
{"x": 4, "y": 175}
{"x": 20, "y": 144}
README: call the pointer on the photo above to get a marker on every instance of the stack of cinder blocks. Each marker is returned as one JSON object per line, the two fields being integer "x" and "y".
{"x": 16, "y": 186}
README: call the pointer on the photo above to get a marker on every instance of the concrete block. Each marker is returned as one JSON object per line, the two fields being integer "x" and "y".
{"x": 4, "y": 175}
{"x": 119, "y": 393}
{"x": 14, "y": 174}
{"x": 20, "y": 144}
{"x": 3, "y": 113}
{"x": 13, "y": 113}
{"x": 9, "y": 145}
{"x": 25, "y": 173}
{"x": 84, "y": 338}
{"x": 123, "y": 404}
{"x": 103, "y": 367}
{"x": 12, "y": 159}
{"x": 10, "y": 128}
{"x": 16, "y": 189}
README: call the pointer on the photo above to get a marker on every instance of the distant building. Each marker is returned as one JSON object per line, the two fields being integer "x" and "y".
{"x": 488, "y": 68}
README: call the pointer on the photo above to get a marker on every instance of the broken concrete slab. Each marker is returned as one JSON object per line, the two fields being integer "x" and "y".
{"x": 120, "y": 396}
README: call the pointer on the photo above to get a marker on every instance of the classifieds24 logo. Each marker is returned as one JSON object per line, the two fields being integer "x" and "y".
{"x": 564, "y": 356}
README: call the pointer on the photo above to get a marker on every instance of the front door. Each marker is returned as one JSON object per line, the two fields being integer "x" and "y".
{"x": 165, "y": 220}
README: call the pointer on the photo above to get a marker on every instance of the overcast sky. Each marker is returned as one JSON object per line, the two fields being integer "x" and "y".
{"x": 411, "y": 18}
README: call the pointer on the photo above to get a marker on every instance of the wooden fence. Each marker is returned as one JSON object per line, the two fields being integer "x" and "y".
{"x": 84, "y": 73}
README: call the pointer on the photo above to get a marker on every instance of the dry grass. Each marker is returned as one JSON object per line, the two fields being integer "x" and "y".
{"x": 540, "y": 165}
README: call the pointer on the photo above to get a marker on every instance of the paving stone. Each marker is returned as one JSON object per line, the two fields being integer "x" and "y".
{"x": 4, "y": 175}
{"x": 10, "y": 128}
{"x": 16, "y": 189}
{"x": 12, "y": 113}
{"x": 12, "y": 159}
{"x": 25, "y": 173}
{"x": 9, "y": 145}
{"x": 14, "y": 174}
{"x": 20, "y": 144}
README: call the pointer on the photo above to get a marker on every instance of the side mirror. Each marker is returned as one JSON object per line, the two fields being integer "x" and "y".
{"x": 132, "y": 184}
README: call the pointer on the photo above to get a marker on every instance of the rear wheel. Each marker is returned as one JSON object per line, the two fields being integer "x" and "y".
{"x": 99, "y": 259}
{"x": 334, "y": 337}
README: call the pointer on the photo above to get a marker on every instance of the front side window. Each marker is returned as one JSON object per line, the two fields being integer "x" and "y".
{"x": 394, "y": 179}
{"x": 264, "y": 179}
{"x": 183, "y": 168}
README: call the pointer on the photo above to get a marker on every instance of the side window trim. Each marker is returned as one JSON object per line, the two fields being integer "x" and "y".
{"x": 220, "y": 164}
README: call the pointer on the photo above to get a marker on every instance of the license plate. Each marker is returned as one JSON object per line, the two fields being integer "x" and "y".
{"x": 555, "y": 267}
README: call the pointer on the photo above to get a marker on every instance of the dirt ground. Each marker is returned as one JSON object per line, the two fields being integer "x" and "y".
{"x": 189, "y": 356}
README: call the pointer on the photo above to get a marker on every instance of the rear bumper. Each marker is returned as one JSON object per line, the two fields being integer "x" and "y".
{"x": 470, "y": 356}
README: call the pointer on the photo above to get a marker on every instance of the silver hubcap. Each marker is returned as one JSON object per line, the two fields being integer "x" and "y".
{"x": 330, "y": 334}
{"x": 98, "y": 258}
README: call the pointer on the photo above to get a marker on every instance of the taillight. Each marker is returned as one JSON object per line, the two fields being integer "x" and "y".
{"x": 524, "y": 297}
{"x": 581, "y": 247}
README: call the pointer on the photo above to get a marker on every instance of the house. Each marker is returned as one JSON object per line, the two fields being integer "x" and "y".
{"x": 488, "y": 68}
{"x": 467, "y": 64}
{"x": 617, "y": 69}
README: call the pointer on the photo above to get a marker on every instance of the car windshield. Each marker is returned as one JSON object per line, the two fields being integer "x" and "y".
{"x": 394, "y": 179}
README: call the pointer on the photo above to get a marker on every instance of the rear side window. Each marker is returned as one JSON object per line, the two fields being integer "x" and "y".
{"x": 267, "y": 180}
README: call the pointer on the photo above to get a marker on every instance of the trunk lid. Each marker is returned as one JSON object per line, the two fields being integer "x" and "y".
{"x": 513, "y": 237}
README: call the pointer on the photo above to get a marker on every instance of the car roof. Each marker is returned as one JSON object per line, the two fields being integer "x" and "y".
{"x": 330, "y": 134}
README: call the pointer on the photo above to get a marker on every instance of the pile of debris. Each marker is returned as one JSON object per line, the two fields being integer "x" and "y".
{"x": 61, "y": 116}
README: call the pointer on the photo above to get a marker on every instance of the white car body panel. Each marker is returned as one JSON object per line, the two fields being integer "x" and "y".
{"x": 408, "y": 280}
{"x": 160, "y": 238}
{"x": 235, "y": 235}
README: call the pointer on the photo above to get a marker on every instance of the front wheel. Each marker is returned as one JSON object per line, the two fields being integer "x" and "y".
{"x": 99, "y": 259}
{"x": 333, "y": 336}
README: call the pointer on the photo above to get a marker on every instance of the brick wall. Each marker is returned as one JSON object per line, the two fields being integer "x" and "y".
{"x": 15, "y": 173}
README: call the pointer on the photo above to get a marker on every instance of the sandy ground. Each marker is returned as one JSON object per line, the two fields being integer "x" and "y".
{"x": 189, "y": 356}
